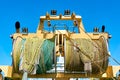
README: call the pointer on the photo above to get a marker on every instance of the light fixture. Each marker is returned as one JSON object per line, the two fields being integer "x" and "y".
{"x": 53, "y": 12}
{"x": 96, "y": 29}
{"x": 25, "y": 30}
{"x": 67, "y": 12}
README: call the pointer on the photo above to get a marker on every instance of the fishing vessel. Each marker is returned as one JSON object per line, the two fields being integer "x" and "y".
{"x": 60, "y": 49}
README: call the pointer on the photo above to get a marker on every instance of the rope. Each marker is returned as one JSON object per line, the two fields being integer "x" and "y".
{"x": 83, "y": 52}
{"x": 107, "y": 54}
{"x": 94, "y": 62}
{"x": 115, "y": 60}
{"x": 99, "y": 46}
{"x": 95, "y": 46}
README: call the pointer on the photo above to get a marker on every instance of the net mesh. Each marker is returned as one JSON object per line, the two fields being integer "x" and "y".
{"x": 81, "y": 51}
{"x": 33, "y": 55}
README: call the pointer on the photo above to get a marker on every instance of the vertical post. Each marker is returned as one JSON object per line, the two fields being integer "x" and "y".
{"x": 64, "y": 53}
{"x": 40, "y": 26}
{"x": 80, "y": 26}
{"x": 55, "y": 54}
{"x": 62, "y": 45}
{"x": 58, "y": 40}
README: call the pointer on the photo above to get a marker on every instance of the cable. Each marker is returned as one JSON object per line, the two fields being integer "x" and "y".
{"x": 115, "y": 60}
{"x": 84, "y": 52}
{"x": 99, "y": 46}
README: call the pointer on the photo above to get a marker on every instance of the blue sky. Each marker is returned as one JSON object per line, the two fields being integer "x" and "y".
{"x": 27, "y": 12}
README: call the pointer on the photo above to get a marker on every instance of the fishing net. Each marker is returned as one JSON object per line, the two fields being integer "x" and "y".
{"x": 46, "y": 60}
{"x": 81, "y": 51}
{"x": 17, "y": 43}
{"x": 33, "y": 55}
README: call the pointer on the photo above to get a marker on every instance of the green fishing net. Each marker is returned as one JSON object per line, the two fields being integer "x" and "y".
{"x": 33, "y": 55}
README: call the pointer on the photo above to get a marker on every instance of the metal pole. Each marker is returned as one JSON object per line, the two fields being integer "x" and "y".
{"x": 64, "y": 53}
{"x": 55, "y": 54}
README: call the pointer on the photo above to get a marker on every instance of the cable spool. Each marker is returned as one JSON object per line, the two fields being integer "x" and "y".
{"x": 32, "y": 55}
{"x": 91, "y": 52}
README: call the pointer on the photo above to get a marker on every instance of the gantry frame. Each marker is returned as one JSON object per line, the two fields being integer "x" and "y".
{"x": 39, "y": 33}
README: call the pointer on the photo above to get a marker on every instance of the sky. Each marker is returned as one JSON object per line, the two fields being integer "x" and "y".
{"x": 94, "y": 13}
